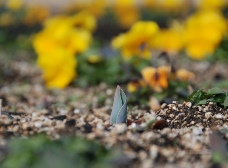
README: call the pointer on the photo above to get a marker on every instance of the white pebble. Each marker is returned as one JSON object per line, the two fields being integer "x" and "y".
{"x": 109, "y": 92}
{"x": 100, "y": 126}
{"x": 219, "y": 116}
{"x": 197, "y": 131}
{"x": 208, "y": 115}
{"x": 153, "y": 152}
{"x": 133, "y": 125}
{"x": 120, "y": 128}
{"x": 38, "y": 124}
{"x": 188, "y": 104}
{"x": 77, "y": 111}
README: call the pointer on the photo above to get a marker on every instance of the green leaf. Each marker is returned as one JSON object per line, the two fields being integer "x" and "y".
{"x": 215, "y": 90}
{"x": 215, "y": 95}
{"x": 219, "y": 98}
{"x": 119, "y": 108}
{"x": 226, "y": 102}
{"x": 197, "y": 96}
{"x": 202, "y": 102}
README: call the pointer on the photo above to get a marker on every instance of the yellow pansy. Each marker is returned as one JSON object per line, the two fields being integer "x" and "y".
{"x": 170, "y": 40}
{"x": 59, "y": 68}
{"x": 84, "y": 20}
{"x": 170, "y": 5}
{"x": 133, "y": 86}
{"x": 184, "y": 75}
{"x": 119, "y": 41}
{"x": 199, "y": 50}
{"x": 211, "y": 4}
{"x": 156, "y": 78}
{"x": 94, "y": 58}
{"x": 95, "y": 7}
{"x": 58, "y": 43}
{"x": 59, "y": 31}
{"x": 127, "y": 12}
{"x": 78, "y": 40}
{"x": 14, "y": 4}
{"x": 149, "y": 3}
{"x": 43, "y": 43}
{"x": 137, "y": 41}
{"x": 203, "y": 32}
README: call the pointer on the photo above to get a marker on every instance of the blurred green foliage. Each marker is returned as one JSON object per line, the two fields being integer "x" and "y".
{"x": 221, "y": 52}
{"x": 215, "y": 95}
{"x": 107, "y": 70}
{"x": 69, "y": 152}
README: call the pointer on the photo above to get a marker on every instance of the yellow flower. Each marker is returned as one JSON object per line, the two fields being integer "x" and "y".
{"x": 79, "y": 40}
{"x": 211, "y": 4}
{"x": 35, "y": 14}
{"x": 137, "y": 41}
{"x": 203, "y": 32}
{"x": 119, "y": 41}
{"x": 59, "y": 31}
{"x": 95, "y": 7}
{"x": 57, "y": 44}
{"x": 84, "y": 20}
{"x": 184, "y": 75}
{"x": 149, "y": 3}
{"x": 59, "y": 68}
{"x": 170, "y": 40}
{"x": 134, "y": 85}
{"x": 127, "y": 12}
{"x": 44, "y": 43}
{"x": 170, "y": 5}
{"x": 156, "y": 78}
{"x": 131, "y": 87}
{"x": 199, "y": 50}
{"x": 62, "y": 29}
{"x": 58, "y": 26}
{"x": 14, "y": 4}
{"x": 94, "y": 59}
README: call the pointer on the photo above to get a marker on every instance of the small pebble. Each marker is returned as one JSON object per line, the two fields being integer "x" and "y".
{"x": 208, "y": 115}
{"x": 188, "y": 104}
{"x": 38, "y": 124}
{"x": 219, "y": 116}
{"x": 197, "y": 131}
{"x": 120, "y": 128}
{"x": 77, "y": 111}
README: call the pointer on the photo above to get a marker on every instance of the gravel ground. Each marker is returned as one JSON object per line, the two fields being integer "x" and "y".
{"x": 178, "y": 135}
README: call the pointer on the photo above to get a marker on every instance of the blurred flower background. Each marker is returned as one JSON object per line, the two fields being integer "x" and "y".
{"x": 144, "y": 45}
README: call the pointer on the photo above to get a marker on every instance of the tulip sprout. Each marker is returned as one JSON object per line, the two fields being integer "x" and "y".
{"x": 119, "y": 109}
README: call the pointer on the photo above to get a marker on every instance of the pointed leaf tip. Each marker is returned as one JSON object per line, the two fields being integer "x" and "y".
{"x": 119, "y": 108}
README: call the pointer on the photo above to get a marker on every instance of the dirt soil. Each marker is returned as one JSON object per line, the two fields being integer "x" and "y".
{"x": 182, "y": 135}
